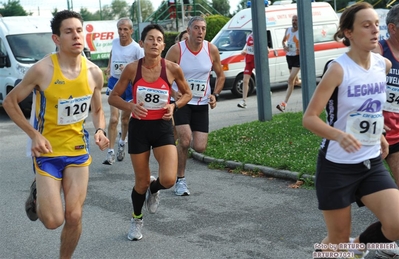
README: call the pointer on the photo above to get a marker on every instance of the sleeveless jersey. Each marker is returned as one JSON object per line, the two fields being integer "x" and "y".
{"x": 391, "y": 107}
{"x": 355, "y": 107}
{"x": 197, "y": 70}
{"x": 154, "y": 95}
{"x": 122, "y": 55}
{"x": 60, "y": 112}
{"x": 292, "y": 39}
{"x": 249, "y": 57}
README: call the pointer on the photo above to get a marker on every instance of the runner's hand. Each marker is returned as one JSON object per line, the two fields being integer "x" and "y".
{"x": 101, "y": 140}
{"x": 40, "y": 145}
{"x": 212, "y": 101}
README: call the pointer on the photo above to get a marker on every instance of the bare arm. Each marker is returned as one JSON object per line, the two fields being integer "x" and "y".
{"x": 285, "y": 47}
{"x": 182, "y": 84}
{"x": 388, "y": 65}
{"x": 173, "y": 55}
{"x": 311, "y": 120}
{"x": 108, "y": 69}
{"x": 175, "y": 73}
{"x": 220, "y": 77}
{"x": 244, "y": 51}
{"x": 384, "y": 143}
{"x": 97, "y": 111}
{"x": 127, "y": 76}
{"x": 18, "y": 94}
{"x": 31, "y": 80}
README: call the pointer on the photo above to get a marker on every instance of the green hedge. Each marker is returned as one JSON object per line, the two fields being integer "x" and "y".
{"x": 214, "y": 24}
{"x": 169, "y": 41}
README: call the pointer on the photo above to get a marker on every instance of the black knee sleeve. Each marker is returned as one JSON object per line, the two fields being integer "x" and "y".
{"x": 373, "y": 234}
{"x": 138, "y": 202}
{"x": 156, "y": 186}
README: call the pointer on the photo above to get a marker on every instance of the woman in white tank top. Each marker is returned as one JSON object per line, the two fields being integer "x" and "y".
{"x": 350, "y": 167}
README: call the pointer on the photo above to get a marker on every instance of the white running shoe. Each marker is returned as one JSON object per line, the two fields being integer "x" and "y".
{"x": 181, "y": 187}
{"x": 152, "y": 199}
{"x": 120, "y": 155}
{"x": 385, "y": 254}
{"x": 357, "y": 253}
{"x": 135, "y": 229}
{"x": 110, "y": 158}
{"x": 242, "y": 104}
{"x": 281, "y": 107}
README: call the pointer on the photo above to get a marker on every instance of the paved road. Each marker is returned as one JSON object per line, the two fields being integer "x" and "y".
{"x": 227, "y": 215}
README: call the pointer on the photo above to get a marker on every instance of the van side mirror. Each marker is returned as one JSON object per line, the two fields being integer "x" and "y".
{"x": 3, "y": 60}
{"x": 87, "y": 53}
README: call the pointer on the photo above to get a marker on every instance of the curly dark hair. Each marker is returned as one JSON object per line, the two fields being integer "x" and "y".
{"x": 150, "y": 27}
{"x": 60, "y": 17}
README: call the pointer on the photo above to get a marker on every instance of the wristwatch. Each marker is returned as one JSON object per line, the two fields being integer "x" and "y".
{"x": 216, "y": 96}
{"x": 176, "y": 108}
{"x": 100, "y": 129}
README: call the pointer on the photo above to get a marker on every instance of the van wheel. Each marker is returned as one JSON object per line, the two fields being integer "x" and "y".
{"x": 238, "y": 86}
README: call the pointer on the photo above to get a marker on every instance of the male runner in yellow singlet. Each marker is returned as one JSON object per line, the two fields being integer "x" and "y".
{"x": 65, "y": 84}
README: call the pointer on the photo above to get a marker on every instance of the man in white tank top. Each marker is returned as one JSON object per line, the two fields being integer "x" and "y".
{"x": 291, "y": 47}
{"x": 124, "y": 50}
{"x": 197, "y": 57}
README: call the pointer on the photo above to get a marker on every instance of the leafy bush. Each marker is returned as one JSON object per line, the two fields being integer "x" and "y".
{"x": 214, "y": 23}
{"x": 169, "y": 41}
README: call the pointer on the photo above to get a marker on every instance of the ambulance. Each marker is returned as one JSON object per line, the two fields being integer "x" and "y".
{"x": 278, "y": 19}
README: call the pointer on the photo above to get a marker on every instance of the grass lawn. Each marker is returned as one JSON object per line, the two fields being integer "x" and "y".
{"x": 282, "y": 143}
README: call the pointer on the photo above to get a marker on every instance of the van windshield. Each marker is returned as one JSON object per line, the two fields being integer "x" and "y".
{"x": 30, "y": 48}
{"x": 230, "y": 40}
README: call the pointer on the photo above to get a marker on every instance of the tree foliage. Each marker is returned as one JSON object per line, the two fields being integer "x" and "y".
{"x": 119, "y": 9}
{"x": 222, "y": 6}
{"x": 55, "y": 10}
{"x": 88, "y": 16}
{"x": 13, "y": 8}
{"x": 147, "y": 9}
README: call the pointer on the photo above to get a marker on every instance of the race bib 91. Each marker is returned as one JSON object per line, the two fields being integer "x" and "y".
{"x": 366, "y": 127}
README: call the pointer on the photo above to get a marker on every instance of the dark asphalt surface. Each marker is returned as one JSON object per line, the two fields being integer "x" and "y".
{"x": 226, "y": 216}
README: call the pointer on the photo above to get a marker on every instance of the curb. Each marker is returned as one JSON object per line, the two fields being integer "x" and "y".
{"x": 268, "y": 171}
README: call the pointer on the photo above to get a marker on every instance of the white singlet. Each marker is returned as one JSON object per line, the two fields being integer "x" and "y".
{"x": 197, "y": 69}
{"x": 356, "y": 108}
{"x": 122, "y": 55}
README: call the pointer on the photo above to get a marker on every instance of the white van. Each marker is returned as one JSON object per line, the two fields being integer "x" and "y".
{"x": 24, "y": 40}
{"x": 278, "y": 19}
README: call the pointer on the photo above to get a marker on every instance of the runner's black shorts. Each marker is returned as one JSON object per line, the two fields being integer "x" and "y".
{"x": 393, "y": 148}
{"x": 339, "y": 185}
{"x": 293, "y": 61}
{"x": 197, "y": 116}
{"x": 147, "y": 134}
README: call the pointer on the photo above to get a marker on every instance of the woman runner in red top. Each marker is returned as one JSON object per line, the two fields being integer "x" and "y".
{"x": 151, "y": 124}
